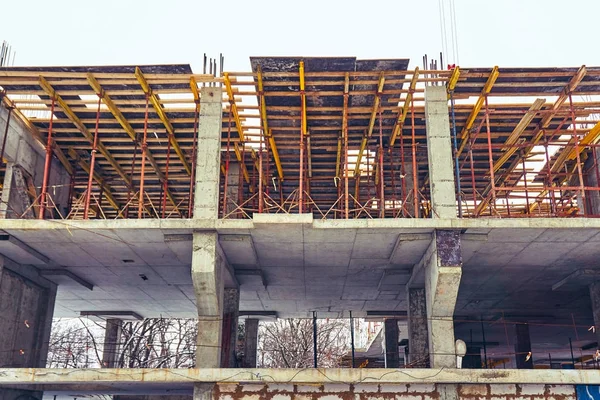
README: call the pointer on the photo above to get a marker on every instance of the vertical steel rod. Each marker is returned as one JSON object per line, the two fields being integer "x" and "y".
{"x": 572, "y": 356}
{"x": 484, "y": 344}
{"x": 47, "y": 163}
{"x": 345, "y": 133}
{"x": 227, "y": 158}
{"x": 525, "y": 186}
{"x": 260, "y": 173}
{"x": 88, "y": 193}
{"x": 456, "y": 163}
{"x": 143, "y": 164}
{"x": 194, "y": 150}
{"x": 490, "y": 154}
{"x": 381, "y": 174}
{"x": 579, "y": 170}
{"x": 315, "y": 339}
{"x": 166, "y": 181}
{"x": 473, "y": 177}
{"x": 414, "y": 160}
{"x": 352, "y": 337}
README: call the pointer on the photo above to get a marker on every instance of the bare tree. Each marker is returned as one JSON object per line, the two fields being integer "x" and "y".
{"x": 288, "y": 343}
{"x": 73, "y": 344}
{"x": 158, "y": 343}
{"x": 151, "y": 343}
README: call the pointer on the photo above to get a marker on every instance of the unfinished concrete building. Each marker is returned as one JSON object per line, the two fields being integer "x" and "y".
{"x": 454, "y": 204}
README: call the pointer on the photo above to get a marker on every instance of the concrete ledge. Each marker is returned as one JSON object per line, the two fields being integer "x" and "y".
{"x": 92, "y": 377}
{"x": 303, "y": 219}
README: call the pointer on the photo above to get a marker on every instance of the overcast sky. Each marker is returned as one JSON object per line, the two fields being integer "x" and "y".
{"x": 504, "y": 33}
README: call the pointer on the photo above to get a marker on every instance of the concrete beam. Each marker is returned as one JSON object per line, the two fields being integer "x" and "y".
{"x": 208, "y": 157}
{"x": 439, "y": 151}
{"x": 91, "y": 377}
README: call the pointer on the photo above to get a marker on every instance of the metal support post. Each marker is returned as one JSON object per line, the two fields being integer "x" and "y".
{"x": 88, "y": 193}
{"x": 194, "y": 162}
{"x": 143, "y": 164}
{"x": 43, "y": 200}
{"x": 315, "y": 339}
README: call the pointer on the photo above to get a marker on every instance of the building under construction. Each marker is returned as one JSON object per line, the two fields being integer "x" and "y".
{"x": 460, "y": 206}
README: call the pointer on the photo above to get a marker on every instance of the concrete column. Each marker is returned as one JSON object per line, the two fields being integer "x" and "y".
{"x": 418, "y": 343}
{"x": 439, "y": 272}
{"x": 231, "y": 306}
{"x": 233, "y": 182}
{"x": 250, "y": 343}
{"x": 207, "y": 269}
{"x": 408, "y": 196}
{"x": 595, "y": 297}
{"x": 112, "y": 338}
{"x": 26, "y": 310}
{"x": 522, "y": 347}
{"x": 392, "y": 356}
{"x": 439, "y": 152}
{"x": 6, "y": 191}
{"x": 208, "y": 159}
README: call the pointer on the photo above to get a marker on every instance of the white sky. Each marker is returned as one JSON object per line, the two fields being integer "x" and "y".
{"x": 504, "y": 33}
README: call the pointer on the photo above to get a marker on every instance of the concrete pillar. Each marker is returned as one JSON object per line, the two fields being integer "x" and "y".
{"x": 231, "y": 306}
{"x": 439, "y": 272}
{"x": 439, "y": 152}
{"x": 392, "y": 356}
{"x": 26, "y": 310}
{"x": 233, "y": 182}
{"x": 418, "y": 343}
{"x": 595, "y": 297}
{"x": 250, "y": 343}
{"x": 442, "y": 280}
{"x": 25, "y": 153}
{"x": 207, "y": 276}
{"x": 522, "y": 347}
{"x": 408, "y": 196}
{"x": 112, "y": 338}
{"x": 208, "y": 159}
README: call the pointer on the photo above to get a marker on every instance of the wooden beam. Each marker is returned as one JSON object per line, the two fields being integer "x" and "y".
{"x": 487, "y": 88}
{"x": 265, "y": 124}
{"x": 128, "y": 129}
{"x": 233, "y": 106}
{"x": 163, "y": 117}
{"x": 366, "y": 138}
{"x": 404, "y": 111}
{"x": 540, "y": 131}
{"x": 83, "y": 129}
{"x": 513, "y": 138}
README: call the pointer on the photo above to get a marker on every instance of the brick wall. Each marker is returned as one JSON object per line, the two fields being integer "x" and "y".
{"x": 375, "y": 391}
